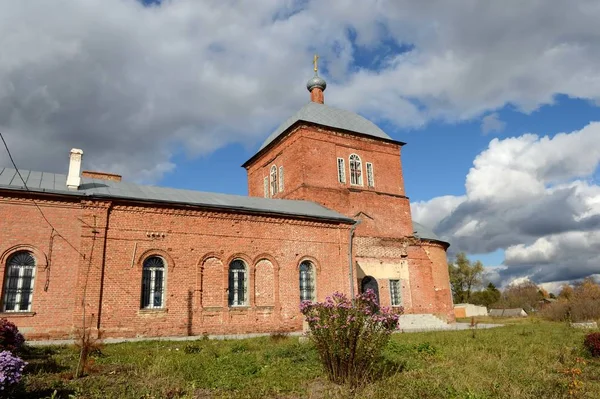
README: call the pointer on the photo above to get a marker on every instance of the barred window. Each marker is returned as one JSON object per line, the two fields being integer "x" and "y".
{"x": 341, "y": 170}
{"x": 273, "y": 180}
{"x": 370, "y": 178}
{"x": 153, "y": 283}
{"x": 307, "y": 281}
{"x": 395, "y": 292}
{"x": 266, "y": 187}
{"x": 238, "y": 282}
{"x": 18, "y": 282}
{"x": 355, "y": 170}
{"x": 280, "y": 178}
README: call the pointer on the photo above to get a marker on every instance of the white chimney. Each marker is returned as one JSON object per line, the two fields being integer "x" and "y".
{"x": 74, "y": 178}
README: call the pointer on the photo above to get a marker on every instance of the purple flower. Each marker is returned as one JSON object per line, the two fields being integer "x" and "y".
{"x": 11, "y": 369}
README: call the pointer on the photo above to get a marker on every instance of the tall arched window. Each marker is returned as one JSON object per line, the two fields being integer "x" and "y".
{"x": 356, "y": 170}
{"x": 273, "y": 180}
{"x": 18, "y": 282}
{"x": 307, "y": 281}
{"x": 238, "y": 282}
{"x": 153, "y": 283}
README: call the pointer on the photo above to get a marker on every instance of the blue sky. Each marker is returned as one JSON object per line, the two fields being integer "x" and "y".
{"x": 181, "y": 93}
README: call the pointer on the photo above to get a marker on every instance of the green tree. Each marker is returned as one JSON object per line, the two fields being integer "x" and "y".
{"x": 487, "y": 297}
{"x": 464, "y": 277}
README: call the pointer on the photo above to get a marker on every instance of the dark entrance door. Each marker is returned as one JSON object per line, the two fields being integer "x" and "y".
{"x": 369, "y": 283}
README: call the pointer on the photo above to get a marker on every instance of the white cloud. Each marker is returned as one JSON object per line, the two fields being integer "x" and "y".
{"x": 532, "y": 197}
{"x": 134, "y": 85}
{"x": 492, "y": 123}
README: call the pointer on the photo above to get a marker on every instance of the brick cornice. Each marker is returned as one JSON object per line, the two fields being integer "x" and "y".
{"x": 226, "y": 215}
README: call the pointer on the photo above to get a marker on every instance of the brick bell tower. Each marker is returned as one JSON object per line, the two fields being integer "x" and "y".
{"x": 346, "y": 163}
{"x": 338, "y": 159}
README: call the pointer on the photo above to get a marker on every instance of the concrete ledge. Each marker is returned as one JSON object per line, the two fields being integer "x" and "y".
{"x": 140, "y": 339}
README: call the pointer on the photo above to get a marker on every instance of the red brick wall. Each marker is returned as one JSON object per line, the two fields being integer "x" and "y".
{"x": 55, "y": 283}
{"x": 197, "y": 246}
{"x": 309, "y": 156}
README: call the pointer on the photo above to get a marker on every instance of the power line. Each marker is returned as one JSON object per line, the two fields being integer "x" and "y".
{"x": 32, "y": 200}
{"x": 54, "y": 230}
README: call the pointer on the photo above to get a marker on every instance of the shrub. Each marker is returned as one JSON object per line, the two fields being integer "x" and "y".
{"x": 10, "y": 337}
{"x": 349, "y": 335}
{"x": 592, "y": 343}
{"x": 11, "y": 370}
{"x": 581, "y": 303}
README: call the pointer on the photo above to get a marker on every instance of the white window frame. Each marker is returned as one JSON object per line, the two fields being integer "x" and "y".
{"x": 356, "y": 179}
{"x": 20, "y": 276}
{"x": 273, "y": 180}
{"x": 266, "y": 186}
{"x": 236, "y": 302}
{"x": 281, "y": 179}
{"x": 370, "y": 175}
{"x": 398, "y": 295}
{"x": 341, "y": 167}
{"x": 307, "y": 278}
{"x": 152, "y": 285}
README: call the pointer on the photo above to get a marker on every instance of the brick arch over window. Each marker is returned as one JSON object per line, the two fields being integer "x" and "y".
{"x": 212, "y": 285}
{"x": 264, "y": 283}
{"x": 40, "y": 256}
{"x": 156, "y": 252}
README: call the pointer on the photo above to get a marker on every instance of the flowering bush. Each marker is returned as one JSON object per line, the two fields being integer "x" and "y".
{"x": 349, "y": 335}
{"x": 11, "y": 370}
{"x": 10, "y": 337}
{"x": 592, "y": 343}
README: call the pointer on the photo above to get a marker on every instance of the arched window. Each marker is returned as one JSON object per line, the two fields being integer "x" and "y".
{"x": 307, "y": 281}
{"x": 355, "y": 170}
{"x": 273, "y": 180}
{"x": 18, "y": 282}
{"x": 238, "y": 282}
{"x": 153, "y": 283}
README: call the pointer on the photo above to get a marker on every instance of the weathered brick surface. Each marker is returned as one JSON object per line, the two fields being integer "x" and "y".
{"x": 197, "y": 246}
{"x": 99, "y": 278}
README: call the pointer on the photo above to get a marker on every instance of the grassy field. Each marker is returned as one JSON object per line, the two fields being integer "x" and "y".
{"x": 524, "y": 359}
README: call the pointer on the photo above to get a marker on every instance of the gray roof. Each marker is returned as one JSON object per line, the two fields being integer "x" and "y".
{"x": 57, "y": 184}
{"x": 425, "y": 232}
{"x": 517, "y": 312}
{"x": 329, "y": 116}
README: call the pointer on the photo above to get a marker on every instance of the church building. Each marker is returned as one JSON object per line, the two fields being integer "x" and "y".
{"x": 326, "y": 211}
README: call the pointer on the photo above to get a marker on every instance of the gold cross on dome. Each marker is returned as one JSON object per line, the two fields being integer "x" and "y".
{"x": 315, "y": 59}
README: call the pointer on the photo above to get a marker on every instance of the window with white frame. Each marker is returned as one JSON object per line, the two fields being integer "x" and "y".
{"x": 395, "y": 292}
{"x": 341, "y": 170}
{"x": 153, "y": 283}
{"x": 355, "y": 170}
{"x": 307, "y": 281}
{"x": 280, "y": 178}
{"x": 238, "y": 282}
{"x": 273, "y": 180}
{"x": 266, "y": 186}
{"x": 18, "y": 283}
{"x": 370, "y": 178}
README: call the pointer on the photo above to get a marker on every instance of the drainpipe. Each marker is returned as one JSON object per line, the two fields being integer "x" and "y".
{"x": 350, "y": 265}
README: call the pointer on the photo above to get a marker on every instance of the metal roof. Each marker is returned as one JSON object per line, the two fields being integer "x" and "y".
{"x": 57, "y": 184}
{"x": 329, "y": 116}
{"x": 425, "y": 232}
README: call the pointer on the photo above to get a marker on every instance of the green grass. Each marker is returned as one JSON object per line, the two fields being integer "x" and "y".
{"x": 520, "y": 360}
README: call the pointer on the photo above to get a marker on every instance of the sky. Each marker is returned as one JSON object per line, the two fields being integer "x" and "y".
{"x": 498, "y": 103}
